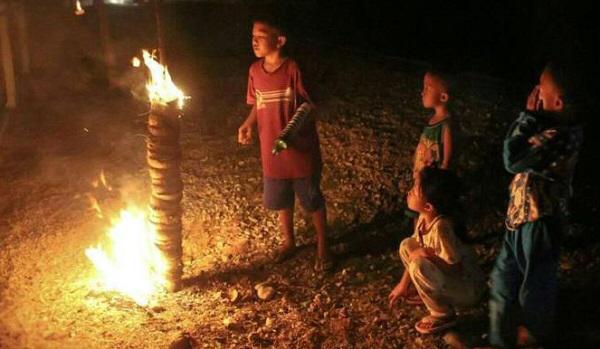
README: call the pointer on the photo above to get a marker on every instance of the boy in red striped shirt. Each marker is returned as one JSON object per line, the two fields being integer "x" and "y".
{"x": 289, "y": 144}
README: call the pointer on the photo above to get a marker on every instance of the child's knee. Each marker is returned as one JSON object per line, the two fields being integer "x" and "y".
{"x": 406, "y": 246}
{"x": 422, "y": 267}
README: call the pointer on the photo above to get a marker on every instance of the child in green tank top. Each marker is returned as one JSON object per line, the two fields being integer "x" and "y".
{"x": 435, "y": 144}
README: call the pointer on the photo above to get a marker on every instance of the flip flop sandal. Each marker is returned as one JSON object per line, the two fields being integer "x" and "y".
{"x": 431, "y": 324}
{"x": 323, "y": 264}
{"x": 413, "y": 300}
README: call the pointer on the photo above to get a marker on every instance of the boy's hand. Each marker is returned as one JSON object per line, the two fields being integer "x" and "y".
{"x": 278, "y": 146}
{"x": 538, "y": 139}
{"x": 398, "y": 292}
{"x": 533, "y": 101}
{"x": 245, "y": 134}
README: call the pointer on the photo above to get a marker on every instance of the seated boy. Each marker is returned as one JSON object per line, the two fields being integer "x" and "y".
{"x": 441, "y": 267}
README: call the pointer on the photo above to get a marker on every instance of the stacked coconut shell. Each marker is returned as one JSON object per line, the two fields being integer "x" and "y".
{"x": 164, "y": 158}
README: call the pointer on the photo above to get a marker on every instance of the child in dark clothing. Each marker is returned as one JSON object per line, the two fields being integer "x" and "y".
{"x": 540, "y": 149}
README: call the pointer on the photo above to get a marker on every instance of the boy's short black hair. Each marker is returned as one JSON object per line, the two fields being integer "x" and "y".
{"x": 273, "y": 20}
{"x": 443, "y": 76}
{"x": 441, "y": 188}
{"x": 567, "y": 79}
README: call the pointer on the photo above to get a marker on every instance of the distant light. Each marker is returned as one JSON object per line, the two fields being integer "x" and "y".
{"x": 79, "y": 11}
{"x": 136, "y": 62}
{"x": 121, "y": 2}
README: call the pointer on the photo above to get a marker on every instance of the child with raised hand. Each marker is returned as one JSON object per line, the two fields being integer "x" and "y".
{"x": 541, "y": 150}
{"x": 441, "y": 267}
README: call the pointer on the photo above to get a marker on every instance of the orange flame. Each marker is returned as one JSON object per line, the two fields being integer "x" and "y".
{"x": 94, "y": 205}
{"x": 161, "y": 88}
{"x": 132, "y": 264}
{"x": 79, "y": 11}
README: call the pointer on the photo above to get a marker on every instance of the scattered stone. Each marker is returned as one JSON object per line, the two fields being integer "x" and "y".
{"x": 269, "y": 322}
{"x": 158, "y": 309}
{"x": 233, "y": 295}
{"x": 453, "y": 339}
{"x": 264, "y": 292}
{"x": 360, "y": 276}
{"x": 229, "y": 322}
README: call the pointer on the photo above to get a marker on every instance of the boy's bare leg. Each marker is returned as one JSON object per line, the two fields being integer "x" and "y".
{"x": 286, "y": 225}
{"x": 320, "y": 221}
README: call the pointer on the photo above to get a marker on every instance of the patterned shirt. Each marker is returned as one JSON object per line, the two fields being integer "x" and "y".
{"x": 440, "y": 237}
{"x": 542, "y": 154}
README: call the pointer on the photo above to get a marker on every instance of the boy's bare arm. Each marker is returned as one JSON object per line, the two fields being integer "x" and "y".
{"x": 245, "y": 131}
{"x": 400, "y": 289}
{"x": 447, "y": 140}
{"x": 251, "y": 119}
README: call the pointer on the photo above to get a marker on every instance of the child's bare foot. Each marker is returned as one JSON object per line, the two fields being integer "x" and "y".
{"x": 323, "y": 263}
{"x": 284, "y": 252}
{"x": 525, "y": 339}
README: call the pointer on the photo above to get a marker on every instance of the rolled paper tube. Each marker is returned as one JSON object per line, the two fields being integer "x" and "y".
{"x": 169, "y": 197}
{"x": 164, "y": 158}
{"x": 163, "y": 227}
{"x": 165, "y": 222}
{"x": 172, "y": 161}
{"x": 159, "y": 165}
{"x": 166, "y": 203}
{"x": 162, "y": 173}
{"x": 163, "y": 132}
{"x": 164, "y": 216}
{"x": 167, "y": 188}
{"x": 171, "y": 149}
{"x": 292, "y": 127}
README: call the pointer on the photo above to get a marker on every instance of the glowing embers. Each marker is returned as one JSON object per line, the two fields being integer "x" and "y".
{"x": 131, "y": 263}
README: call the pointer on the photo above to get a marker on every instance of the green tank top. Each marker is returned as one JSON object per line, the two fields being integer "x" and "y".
{"x": 430, "y": 150}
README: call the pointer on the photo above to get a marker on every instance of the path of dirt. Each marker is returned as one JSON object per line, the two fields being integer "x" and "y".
{"x": 369, "y": 119}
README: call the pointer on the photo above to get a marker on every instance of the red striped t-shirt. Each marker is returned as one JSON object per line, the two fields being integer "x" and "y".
{"x": 276, "y": 96}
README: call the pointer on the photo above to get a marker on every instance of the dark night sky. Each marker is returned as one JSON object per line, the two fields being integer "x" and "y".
{"x": 507, "y": 39}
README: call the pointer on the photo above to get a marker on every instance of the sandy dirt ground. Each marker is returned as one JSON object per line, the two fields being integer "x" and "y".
{"x": 70, "y": 129}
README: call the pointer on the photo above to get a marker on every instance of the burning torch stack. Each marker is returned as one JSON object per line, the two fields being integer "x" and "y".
{"x": 164, "y": 158}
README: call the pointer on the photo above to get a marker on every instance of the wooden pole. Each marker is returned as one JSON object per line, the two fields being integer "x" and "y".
{"x": 7, "y": 59}
{"x": 22, "y": 36}
{"x": 104, "y": 36}
{"x": 162, "y": 51}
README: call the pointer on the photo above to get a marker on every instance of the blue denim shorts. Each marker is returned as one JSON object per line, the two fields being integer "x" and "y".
{"x": 279, "y": 193}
